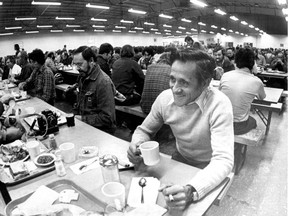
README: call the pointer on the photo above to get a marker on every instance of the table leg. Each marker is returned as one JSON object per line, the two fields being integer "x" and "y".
{"x": 268, "y": 122}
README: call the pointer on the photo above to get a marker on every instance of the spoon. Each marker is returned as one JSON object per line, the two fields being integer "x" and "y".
{"x": 85, "y": 165}
{"x": 142, "y": 183}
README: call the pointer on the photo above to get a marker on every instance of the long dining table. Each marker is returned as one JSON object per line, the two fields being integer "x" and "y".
{"x": 82, "y": 134}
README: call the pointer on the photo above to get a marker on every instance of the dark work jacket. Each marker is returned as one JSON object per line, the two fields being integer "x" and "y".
{"x": 96, "y": 100}
{"x": 226, "y": 64}
{"x": 103, "y": 65}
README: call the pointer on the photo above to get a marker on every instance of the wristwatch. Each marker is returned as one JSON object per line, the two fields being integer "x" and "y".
{"x": 192, "y": 193}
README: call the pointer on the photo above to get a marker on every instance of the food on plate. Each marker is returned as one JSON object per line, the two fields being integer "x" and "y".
{"x": 18, "y": 169}
{"x": 45, "y": 159}
{"x": 13, "y": 152}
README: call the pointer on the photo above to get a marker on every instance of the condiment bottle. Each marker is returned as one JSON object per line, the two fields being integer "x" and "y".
{"x": 52, "y": 141}
{"x": 109, "y": 168}
{"x": 60, "y": 169}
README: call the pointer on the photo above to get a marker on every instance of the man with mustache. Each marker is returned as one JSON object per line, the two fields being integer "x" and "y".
{"x": 95, "y": 101}
{"x": 201, "y": 120}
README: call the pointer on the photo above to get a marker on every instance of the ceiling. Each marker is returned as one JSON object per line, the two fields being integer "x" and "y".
{"x": 264, "y": 14}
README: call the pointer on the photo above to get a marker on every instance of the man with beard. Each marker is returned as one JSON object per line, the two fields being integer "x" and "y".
{"x": 95, "y": 101}
{"x": 222, "y": 62}
{"x": 205, "y": 139}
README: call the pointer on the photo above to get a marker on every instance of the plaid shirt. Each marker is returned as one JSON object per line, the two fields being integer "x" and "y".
{"x": 41, "y": 84}
{"x": 156, "y": 80}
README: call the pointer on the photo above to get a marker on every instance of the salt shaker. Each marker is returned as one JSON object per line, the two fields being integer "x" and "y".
{"x": 52, "y": 141}
{"x": 109, "y": 167}
{"x": 60, "y": 169}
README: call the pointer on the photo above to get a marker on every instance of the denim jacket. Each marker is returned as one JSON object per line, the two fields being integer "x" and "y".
{"x": 96, "y": 100}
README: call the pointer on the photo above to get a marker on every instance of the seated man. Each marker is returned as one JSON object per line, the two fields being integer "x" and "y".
{"x": 26, "y": 71}
{"x": 205, "y": 139}
{"x": 96, "y": 94}
{"x": 104, "y": 56}
{"x": 223, "y": 63}
{"x": 14, "y": 69}
{"x": 242, "y": 87}
{"x": 41, "y": 82}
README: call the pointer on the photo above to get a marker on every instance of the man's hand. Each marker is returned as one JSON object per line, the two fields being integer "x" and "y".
{"x": 133, "y": 153}
{"x": 21, "y": 85}
{"x": 176, "y": 196}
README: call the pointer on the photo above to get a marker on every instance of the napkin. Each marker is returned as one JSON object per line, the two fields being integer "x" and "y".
{"x": 147, "y": 210}
{"x": 77, "y": 171}
{"x": 41, "y": 199}
{"x": 150, "y": 191}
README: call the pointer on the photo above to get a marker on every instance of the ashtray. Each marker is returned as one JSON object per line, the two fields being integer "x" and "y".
{"x": 88, "y": 151}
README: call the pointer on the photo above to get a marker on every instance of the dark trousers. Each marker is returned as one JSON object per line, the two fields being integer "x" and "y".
{"x": 244, "y": 127}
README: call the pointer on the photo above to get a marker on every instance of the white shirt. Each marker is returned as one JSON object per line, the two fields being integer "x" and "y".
{"x": 15, "y": 70}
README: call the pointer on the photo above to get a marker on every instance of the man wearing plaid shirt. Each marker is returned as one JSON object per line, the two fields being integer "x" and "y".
{"x": 41, "y": 82}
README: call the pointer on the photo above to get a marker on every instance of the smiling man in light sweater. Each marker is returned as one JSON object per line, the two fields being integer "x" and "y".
{"x": 202, "y": 122}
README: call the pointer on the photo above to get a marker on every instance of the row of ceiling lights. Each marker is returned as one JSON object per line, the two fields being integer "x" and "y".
{"x": 283, "y": 3}
{"x": 196, "y": 2}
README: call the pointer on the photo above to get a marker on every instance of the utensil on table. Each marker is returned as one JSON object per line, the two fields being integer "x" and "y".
{"x": 85, "y": 165}
{"x": 142, "y": 184}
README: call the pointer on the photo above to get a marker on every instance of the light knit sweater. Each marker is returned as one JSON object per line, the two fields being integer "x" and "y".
{"x": 203, "y": 130}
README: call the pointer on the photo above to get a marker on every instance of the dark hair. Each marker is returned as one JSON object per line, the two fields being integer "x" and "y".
{"x": 50, "y": 55}
{"x": 245, "y": 57}
{"x": 127, "y": 51}
{"x": 11, "y": 59}
{"x": 16, "y": 47}
{"x": 149, "y": 50}
{"x": 188, "y": 38}
{"x": 204, "y": 62}
{"x": 219, "y": 48}
{"x": 117, "y": 50}
{"x": 38, "y": 56}
{"x": 105, "y": 48}
{"x": 86, "y": 52}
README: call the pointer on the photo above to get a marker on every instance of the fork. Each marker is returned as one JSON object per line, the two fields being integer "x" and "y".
{"x": 85, "y": 165}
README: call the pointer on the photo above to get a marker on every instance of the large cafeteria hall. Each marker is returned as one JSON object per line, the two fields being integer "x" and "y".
{"x": 143, "y": 107}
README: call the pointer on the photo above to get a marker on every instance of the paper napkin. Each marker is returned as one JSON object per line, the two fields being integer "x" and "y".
{"x": 147, "y": 210}
{"x": 150, "y": 191}
{"x": 77, "y": 171}
{"x": 41, "y": 199}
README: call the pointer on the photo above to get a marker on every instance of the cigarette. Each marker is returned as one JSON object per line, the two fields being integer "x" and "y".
{"x": 171, "y": 198}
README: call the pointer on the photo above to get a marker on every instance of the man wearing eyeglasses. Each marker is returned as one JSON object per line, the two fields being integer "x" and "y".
{"x": 95, "y": 101}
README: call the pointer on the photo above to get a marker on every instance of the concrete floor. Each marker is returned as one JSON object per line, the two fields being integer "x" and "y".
{"x": 260, "y": 189}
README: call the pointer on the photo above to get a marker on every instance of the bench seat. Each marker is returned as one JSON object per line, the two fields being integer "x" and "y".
{"x": 62, "y": 86}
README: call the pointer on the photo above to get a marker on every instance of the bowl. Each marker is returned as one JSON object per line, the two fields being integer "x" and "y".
{"x": 44, "y": 159}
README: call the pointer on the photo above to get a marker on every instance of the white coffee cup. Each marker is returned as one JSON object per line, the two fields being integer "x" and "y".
{"x": 150, "y": 152}
{"x": 67, "y": 151}
{"x": 115, "y": 194}
{"x": 33, "y": 148}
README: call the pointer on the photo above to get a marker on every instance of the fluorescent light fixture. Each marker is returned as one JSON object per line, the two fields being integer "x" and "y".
{"x": 285, "y": 11}
{"x": 98, "y": 20}
{"x": 230, "y": 30}
{"x": 145, "y": 32}
{"x": 180, "y": 32}
{"x": 213, "y": 26}
{"x": 193, "y": 29}
{"x": 219, "y": 11}
{"x": 167, "y": 26}
{"x": 286, "y": 18}
{"x": 126, "y": 21}
{"x": 234, "y": 18}
{"x": 246, "y": 35}
{"x": 257, "y": 29}
{"x": 138, "y": 28}
{"x": 224, "y": 29}
{"x": 1, "y": 3}
{"x": 130, "y": 31}
{"x": 147, "y": 23}
{"x": 211, "y": 32}
{"x": 201, "y": 23}
{"x": 4, "y": 34}
{"x": 198, "y": 3}
{"x": 65, "y": 18}
{"x": 167, "y": 30}
{"x": 44, "y": 26}
{"x": 282, "y": 2}
{"x": 97, "y": 6}
{"x": 203, "y": 31}
{"x": 78, "y": 30}
{"x": 186, "y": 20}
{"x": 72, "y": 26}
{"x": 131, "y": 10}
{"x": 32, "y": 32}
{"x": 45, "y": 3}
{"x": 120, "y": 27}
{"x": 188, "y": 33}
{"x": 153, "y": 29}
{"x": 55, "y": 31}
{"x": 236, "y": 32}
{"x": 116, "y": 31}
{"x": 244, "y": 23}
{"x": 180, "y": 27}
{"x": 98, "y": 26}
{"x": 165, "y": 16}
{"x": 251, "y": 26}
{"x": 167, "y": 33}
{"x": 158, "y": 33}
{"x": 98, "y": 30}
{"x": 241, "y": 33}
{"x": 15, "y": 27}
{"x": 25, "y": 18}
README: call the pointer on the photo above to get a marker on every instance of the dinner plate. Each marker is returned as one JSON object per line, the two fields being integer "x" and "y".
{"x": 88, "y": 151}
{"x": 17, "y": 143}
{"x": 36, "y": 160}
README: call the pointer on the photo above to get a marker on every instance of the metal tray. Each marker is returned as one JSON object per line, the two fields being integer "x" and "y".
{"x": 86, "y": 200}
